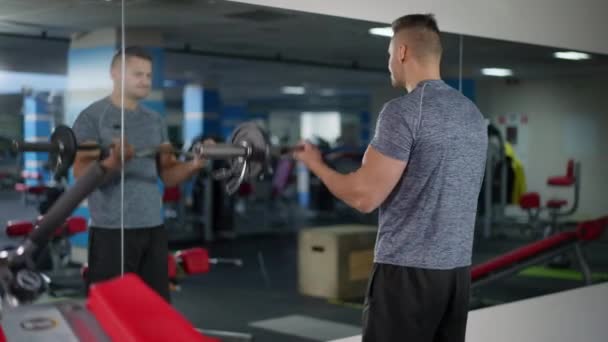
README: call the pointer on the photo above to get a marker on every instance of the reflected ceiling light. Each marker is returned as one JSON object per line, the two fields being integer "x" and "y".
{"x": 290, "y": 90}
{"x": 382, "y": 31}
{"x": 497, "y": 72}
{"x": 571, "y": 55}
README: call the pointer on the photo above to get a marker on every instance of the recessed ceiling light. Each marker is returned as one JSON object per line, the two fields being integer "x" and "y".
{"x": 291, "y": 90}
{"x": 571, "y": 55}
{"x": 498, "y": 72}
{"x": 382, "y": 31}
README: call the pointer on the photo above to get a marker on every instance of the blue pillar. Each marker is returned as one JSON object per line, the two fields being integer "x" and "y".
{"x": 201, "y": 113}
{"x": 303, "y": 179}
{"x": 37, "y": 124}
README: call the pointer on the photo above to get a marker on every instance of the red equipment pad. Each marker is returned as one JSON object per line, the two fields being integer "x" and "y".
{"x": 556, "y": 203}
{"x": 529, "y": 200}
{"x": 592, "y": 230}
{"x": 130, "y": 311}
{"x": 19, "y": 228}
{"x": 521, "y": 254}
{"x": 172, "y": 195}
{"x": 195, "y": 260}
{"x": 561, "y": 181}
{"x": 76, "y": 224}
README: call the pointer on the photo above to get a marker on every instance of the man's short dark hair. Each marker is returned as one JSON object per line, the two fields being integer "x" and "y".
{"x": 132, "y": 51}
{"x": 426, "y": 35}
{"x": 419, "y": 21}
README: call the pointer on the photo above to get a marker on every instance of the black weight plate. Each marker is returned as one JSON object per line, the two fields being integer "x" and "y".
{"x": 250, "y": 134}
{"x": 62, "y": 158}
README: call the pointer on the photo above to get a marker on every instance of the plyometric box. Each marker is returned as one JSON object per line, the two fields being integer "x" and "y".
{"x": 335, "y": 261}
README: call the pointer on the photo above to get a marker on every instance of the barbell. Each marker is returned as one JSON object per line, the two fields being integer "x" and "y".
{"x": 61, "y": 147}
{"x": 248, "y": 153}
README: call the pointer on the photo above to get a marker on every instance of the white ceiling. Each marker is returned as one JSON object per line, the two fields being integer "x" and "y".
{"x": 579, "y": 25}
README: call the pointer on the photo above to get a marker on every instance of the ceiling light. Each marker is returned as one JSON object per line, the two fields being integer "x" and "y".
{"x": 498, "y": 72}
{"x": 571, "y": 55}
{"x": 382, "y": 31}
{"x": 290, "y": 90}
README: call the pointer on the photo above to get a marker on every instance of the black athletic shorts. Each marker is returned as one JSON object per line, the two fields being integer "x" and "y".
{"x": 146, "y": 251}
{"x": 405, "y": 304}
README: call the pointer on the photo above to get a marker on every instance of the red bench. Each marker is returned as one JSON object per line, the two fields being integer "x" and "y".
{"x": 539, "y": 252}
{"x": 128, "y": 310}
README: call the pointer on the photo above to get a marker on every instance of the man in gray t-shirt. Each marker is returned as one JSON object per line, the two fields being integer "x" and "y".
{"x": 423, "y": 170}
{"x": 145, "y": 247}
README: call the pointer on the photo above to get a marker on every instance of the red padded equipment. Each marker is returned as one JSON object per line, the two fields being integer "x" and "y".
{"x": 530, "y": 200}
{"x": 585, "y": 231}
{"x": 521, "y": 254}
{"x": 556, "y": 203}
{"x": 195, "y": 260}
{"x": 130, "y": 311}
{"x": 561, "y": 181}
{"x": 566, "y": 180}
{"x": 172, "y": 195}
{"x": 75, "y": 225}
{"x": 592, "y": 230}
{"x": 19, "y": 228}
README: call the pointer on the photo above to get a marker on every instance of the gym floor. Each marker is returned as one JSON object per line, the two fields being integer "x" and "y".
{"x": 262, "y": 297}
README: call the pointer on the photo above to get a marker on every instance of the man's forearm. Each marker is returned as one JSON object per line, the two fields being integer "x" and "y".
{"x": 178, "y": 172}
{"x": 346, "y": 187}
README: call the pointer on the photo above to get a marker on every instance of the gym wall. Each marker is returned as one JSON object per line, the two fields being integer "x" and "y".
{"x": 567, "y": 118}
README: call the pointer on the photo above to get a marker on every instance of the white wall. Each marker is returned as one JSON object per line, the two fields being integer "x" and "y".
{"x": 560, "y": 23}
{"x": 568, "y": 118}
{"x": 283, "y": 123}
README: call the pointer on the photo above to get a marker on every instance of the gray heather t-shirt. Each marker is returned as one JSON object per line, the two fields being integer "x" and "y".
{"x": 428, "y": 220}
{"x": 101, "y": 122}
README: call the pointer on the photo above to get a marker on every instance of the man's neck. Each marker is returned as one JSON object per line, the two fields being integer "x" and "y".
{"x": 130, "y": 104}
{"x": 413, "y": 82}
